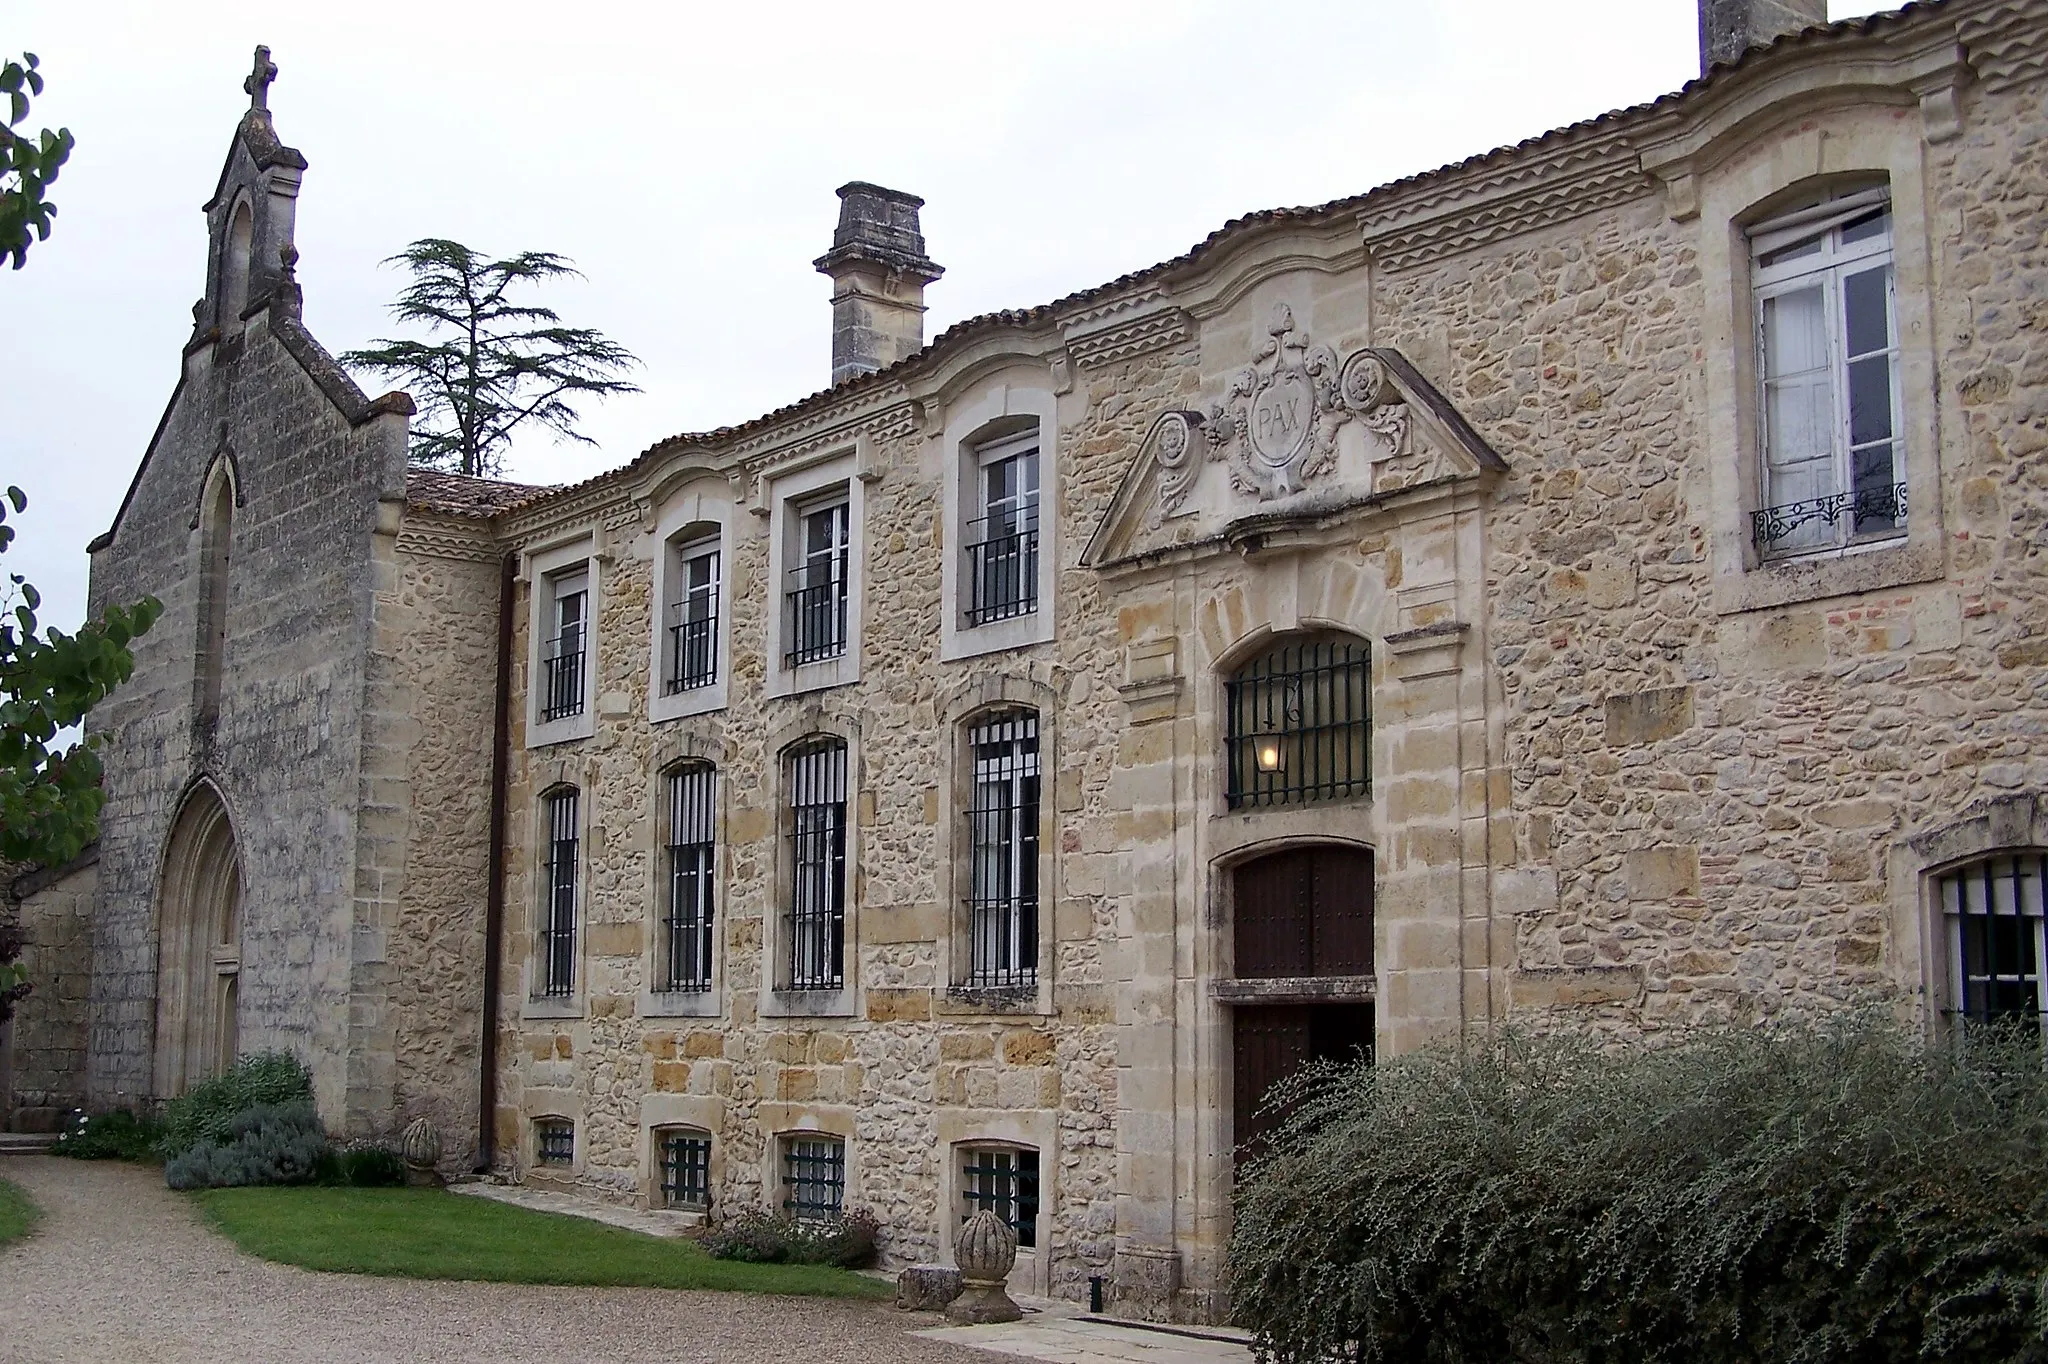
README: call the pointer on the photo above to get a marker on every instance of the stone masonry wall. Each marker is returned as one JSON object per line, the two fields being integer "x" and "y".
{"x": 46, "y": 1038}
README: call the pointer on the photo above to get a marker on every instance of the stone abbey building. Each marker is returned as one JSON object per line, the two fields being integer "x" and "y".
{"x": 1602, "y": 583}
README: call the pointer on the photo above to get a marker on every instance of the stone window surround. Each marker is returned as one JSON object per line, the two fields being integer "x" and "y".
{"x": 542, "y": 568}
{"x": 1034, "y": 1129}
{"x": 804, "y": 484}
{"x": 1002, "y": 408}
{"x": 782, "y": 1122}
{"x": 544, "y": 1106}
{"x": 212, "y": 529}
{"x": 1828, "y": 150}
{"x": 1920, "y": 954}
{"x": 533, "y": 1004}
{"x": 665, "y": 1112}
{"x": 656, "y": 1173}
{"x": 953, "y": 870}
{"x": 774, "y": 1001}
{"x": 709, "y": 1003}
{"x": 236, "y": 258}
{"x": 699, "y": 510}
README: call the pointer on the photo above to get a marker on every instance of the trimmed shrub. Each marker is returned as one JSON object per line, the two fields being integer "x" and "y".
{"x": 847, "y": 1241}
{"x": 369, "y": 1167}
{"x": 206, "y": 1112}
{"x": 1799, "y": 1194}
{"x": 118, "y": 1135}
{"x": 267, "y": 1144}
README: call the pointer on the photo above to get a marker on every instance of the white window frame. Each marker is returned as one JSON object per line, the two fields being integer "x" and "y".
{"x": 658, "y": 1194}
{"x": 1024, "y": 511}
{"x": 547, "y": 572}
{"x": 2006, "y": 885}
{"x": 785, "y": 1149}
{"x": 967, "y": 1202}
{"x": 987, "y": 941}
{"x": 691, "y": 521}
{"x": 1000, "y": 418}
{"x": 1785, "y": 526}
{"x": 791, "y": 496}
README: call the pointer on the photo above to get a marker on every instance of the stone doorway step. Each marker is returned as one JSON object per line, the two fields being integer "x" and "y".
{"x": 1093, "y": 1340}
{"x": 25, "y": 1143}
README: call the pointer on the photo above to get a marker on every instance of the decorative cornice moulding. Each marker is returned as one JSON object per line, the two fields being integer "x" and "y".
{"x": 2007, "y": 42}
{"x": 1107, "y": 338}
{"x": 444, "y": 540}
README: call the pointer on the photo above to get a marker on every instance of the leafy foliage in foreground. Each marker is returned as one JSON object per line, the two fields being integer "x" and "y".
{"x": 206, "y": 1113}
{"x": 433, "y": 1234}
{"x": 18, "y": 1214}
{"x": 28, "y": 164}
{"x": 50, "y": 801}
{"x": 1803, "y": 1195}
{"x": 119, "y": 1135}
{"x": 848, "y": 1241}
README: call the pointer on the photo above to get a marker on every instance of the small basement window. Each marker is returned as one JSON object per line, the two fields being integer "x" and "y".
{"x": 554, "y": 1141}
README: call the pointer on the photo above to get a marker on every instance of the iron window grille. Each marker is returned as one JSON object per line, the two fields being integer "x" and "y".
{"x": 1996, "y": 938}
{"x": 562, "y": 656}
{"x": 1002, "y": 911}
{"x": 1005, "y": 1181}
{"x": 813, "y": 1177}
{"x": 1002, "y": 545}
{"x": 693, "y": 625}
{"x": 815, "y": 602}
{"x": 1299, "y": 724}
{"x": 815, "y": 923}
{"x": 691, "y": 857}
{"x": 555, "y": 1142}
{"x": 558, "y": 902}
{"x": 1829, "y": 396}
{"x": 686, "y": 1170}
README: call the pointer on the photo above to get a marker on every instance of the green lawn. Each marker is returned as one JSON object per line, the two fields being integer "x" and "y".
{"x": 428, "y": 1234}
{"x": 17, "y": 1214}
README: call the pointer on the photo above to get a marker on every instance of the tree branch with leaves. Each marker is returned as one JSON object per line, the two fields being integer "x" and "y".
{"x": 491, "y": 364}
{"x": 27, "y": 164}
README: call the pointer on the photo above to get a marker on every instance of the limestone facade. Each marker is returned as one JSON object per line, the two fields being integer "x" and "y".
{"x": 1628, "y": 765}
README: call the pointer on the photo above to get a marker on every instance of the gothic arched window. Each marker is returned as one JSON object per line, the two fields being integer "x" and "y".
{"x": 1298, "y": 723}
{"x": 216, "y": 535}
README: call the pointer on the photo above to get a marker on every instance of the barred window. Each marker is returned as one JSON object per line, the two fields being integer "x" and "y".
{"x": 1002, "y": 908}
{"x": 562, "y": 656}
{"x": 1995, "y": 915}
{"x": 1299, "y": 724}
{"x": 1002, "y": 543}
{"x": 554, "y": 1141}
{"x": 1003, "y": 1179}
{"x": 815, "y": 920}
{"x": 692, "y": 644}
{"x": 685, "y": 1168}
{"x": 558, "y": 895}
{"x": 1827, "y": 350}
{"x": 815, "y": 602}
{"x": 691, "y": 859}
{"x": 813, "y": 1177}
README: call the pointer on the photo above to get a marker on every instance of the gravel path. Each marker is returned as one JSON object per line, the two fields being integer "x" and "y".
{"x": 121, "y": 1271}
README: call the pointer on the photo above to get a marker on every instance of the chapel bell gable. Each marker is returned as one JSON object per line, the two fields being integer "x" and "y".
{"x": 249, "y": 217}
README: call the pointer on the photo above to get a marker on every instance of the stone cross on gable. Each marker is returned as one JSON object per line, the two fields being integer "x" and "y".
{"x": 258, "y": 84}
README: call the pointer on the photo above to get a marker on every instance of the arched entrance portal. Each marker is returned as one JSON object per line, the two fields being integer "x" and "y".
{"x": 199, "y": 947}
{"x": 1302, "y": 940}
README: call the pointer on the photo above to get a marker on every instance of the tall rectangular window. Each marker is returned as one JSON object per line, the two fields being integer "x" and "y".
{"x": 815, "y": 921}
{"x": 1002, "y": 908}
{"x": 1827, "y": 344}
{"x": 563, "y": 654}
{"x": 1997, "y": 939}
{"x": 691, "y": 857}
{"x": 813, "y": 1177}
{"x": 692, "y": 643}
{"x": 1002, "y": 543}
{"x": 558, "y": 896}
{"x": 685, "y": 1169}
{"x": 1003, "y": 1179}
{"x": 815, "y": 602}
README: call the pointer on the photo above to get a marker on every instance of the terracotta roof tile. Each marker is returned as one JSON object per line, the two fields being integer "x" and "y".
{"x": 462, "y": 495}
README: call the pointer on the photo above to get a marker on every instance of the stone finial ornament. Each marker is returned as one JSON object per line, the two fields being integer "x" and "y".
{"x": 985, "y": 1249}
{"x": 421, "y": 1147}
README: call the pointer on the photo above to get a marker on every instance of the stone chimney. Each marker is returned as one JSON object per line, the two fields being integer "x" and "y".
{"x": 879, "y": 270}
{"x": 1729, "y": 28}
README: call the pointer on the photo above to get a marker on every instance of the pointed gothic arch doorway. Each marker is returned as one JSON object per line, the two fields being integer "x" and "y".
{"x": 199, "y": 946}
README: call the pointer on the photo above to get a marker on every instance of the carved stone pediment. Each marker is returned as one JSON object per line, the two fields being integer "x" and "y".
{"x": 1298, "y": 432}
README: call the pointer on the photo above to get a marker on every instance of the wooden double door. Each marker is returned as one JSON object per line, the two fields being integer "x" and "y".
{"x": 1302, "y": 922}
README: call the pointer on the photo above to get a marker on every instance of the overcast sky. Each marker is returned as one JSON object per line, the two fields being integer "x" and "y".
{"x": 685, "y": 154}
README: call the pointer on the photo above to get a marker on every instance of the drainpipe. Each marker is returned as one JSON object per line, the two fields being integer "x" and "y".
{"x": 494, "y": 893}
